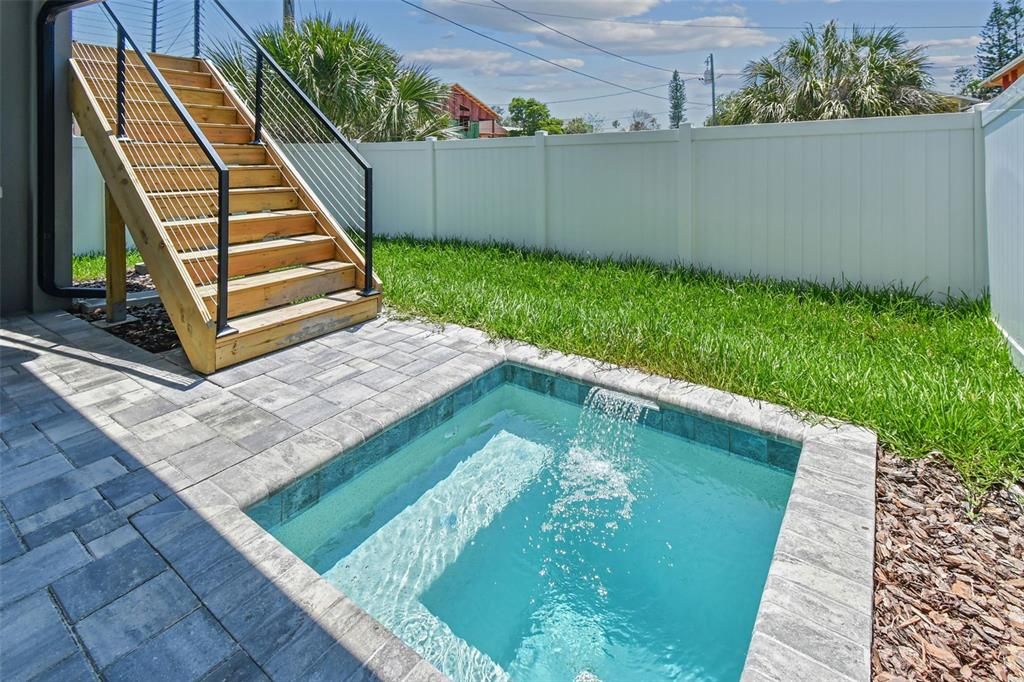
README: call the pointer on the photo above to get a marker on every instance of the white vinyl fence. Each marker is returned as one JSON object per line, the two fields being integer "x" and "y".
{"x": 88, "y": 234}
{"x": 1003, "y": 125}
{"x": 876, "y": 201}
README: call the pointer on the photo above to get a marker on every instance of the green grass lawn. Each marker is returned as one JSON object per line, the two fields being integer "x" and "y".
{"x": 92, "y": 266}
{"x": 924, "y": 377}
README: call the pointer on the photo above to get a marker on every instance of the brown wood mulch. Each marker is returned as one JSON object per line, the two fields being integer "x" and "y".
{"x": 135, "y": 282}
{"x": 949, "y": 578}
{"x": 152, "y": 328}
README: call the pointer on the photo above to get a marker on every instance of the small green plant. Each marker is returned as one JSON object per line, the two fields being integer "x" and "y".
{"x": 927, "y": 378}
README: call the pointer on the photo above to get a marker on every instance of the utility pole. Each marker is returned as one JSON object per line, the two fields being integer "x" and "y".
{"x": 709, "y": 77}
{"x": 289, "y": 14}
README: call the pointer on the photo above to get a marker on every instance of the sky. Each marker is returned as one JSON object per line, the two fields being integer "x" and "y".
{"x": 660, "y": 34}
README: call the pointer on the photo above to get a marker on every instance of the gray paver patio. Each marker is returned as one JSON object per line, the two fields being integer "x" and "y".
{"x": 124, "y": 553}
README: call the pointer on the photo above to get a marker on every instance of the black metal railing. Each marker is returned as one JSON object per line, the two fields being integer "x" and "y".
{"x": 263, "y": 59}
{"x": 223, "y": 182}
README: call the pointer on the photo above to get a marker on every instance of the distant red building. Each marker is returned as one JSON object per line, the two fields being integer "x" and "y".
{"x": 1006, "y": 76}
{"x": 473, "y": 117}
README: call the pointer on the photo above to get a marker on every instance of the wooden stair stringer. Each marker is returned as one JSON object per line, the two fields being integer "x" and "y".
{"x": 324, "y": 218}
{"x": 192, "y": 322}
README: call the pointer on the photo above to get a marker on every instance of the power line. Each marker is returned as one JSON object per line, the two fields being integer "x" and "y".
{"x": 662, "y": 24}
{"x": 528, "y": 53}
{"x": 616, "y": 94}
{"x": 583, "y": 42}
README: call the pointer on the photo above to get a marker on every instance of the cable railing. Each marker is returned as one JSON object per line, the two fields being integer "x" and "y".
{"x": 190, "y": 192}
{"x": 332, "y": 169}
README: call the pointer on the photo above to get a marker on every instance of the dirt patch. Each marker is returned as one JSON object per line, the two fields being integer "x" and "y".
{"x": 949, "y": 584}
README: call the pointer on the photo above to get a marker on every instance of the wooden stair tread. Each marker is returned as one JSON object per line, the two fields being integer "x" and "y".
{"x": 264, "y": 279}
{"x": 258, "y": 247}
{"x": 179, "y": 122}
{"x": 139, "y": 66}
{"x": 207, "y": 167}
{"x": 166, "y": 103}
{"x": 233, "y": 190}
{"x": 253, "y": 322}
{"x": 241, "y": 218}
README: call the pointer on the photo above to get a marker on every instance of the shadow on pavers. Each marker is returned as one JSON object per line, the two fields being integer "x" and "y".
{"x": 112, "y": 566}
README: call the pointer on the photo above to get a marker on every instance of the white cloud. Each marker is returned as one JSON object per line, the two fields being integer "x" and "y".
{"x": 969, "y": 41}
{"x": 630, "y": 38}
{"x": 950, "y": 61}
{"x": 488, "y": 63}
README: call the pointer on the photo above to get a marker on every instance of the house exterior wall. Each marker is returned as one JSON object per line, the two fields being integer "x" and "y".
{"x": 875, "y": 201}
{"x": 18, "y": 289}
{"x": 1003, "y": 126}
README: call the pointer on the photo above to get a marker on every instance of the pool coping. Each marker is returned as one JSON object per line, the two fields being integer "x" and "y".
{"x": 814, "y": 619}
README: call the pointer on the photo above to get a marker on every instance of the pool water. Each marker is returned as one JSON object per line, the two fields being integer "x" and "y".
{"x": 532, "y": 538}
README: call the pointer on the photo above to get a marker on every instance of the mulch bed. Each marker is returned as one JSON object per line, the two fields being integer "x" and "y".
{"x": 949, "y": 580}
{"x": 136, "y": 282}
{"x": 152, "y": 329}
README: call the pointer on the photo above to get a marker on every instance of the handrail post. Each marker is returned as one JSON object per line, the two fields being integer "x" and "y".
{"x": 152, "y": 35}
{"x": 222, "y": 251}
{"x": 368, "y": 288}
{"x": 120, "y": 82}
{"x": 195, "y": 28}
{"x": 257, "y": 136}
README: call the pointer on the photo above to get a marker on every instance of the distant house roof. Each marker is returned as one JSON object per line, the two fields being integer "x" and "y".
{"x": 1004, "y": 77}
{"x": 486, "y": 112}
{"x": 963, "y": 101}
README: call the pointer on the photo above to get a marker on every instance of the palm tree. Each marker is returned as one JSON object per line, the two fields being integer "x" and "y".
{"x": 358, "y": 81}
{"x": 823, "y": 75}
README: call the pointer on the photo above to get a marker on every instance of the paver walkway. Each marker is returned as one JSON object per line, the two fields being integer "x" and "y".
{"x": 103, "y": 447}
{"x": 125, "y": 553}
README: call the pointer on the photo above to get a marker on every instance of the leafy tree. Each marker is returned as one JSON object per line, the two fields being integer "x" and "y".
{"x": 726, "y": 106}
{"x": 1002, "y": 37}
{"x": 641, "y": 119}
{"x": 530, "y": 116}
{"x": 576, "y": 126}
{"x": 962, "y": 78}
{"x": 595, "y": 121}
{"x": 676, "y": 101}
{"x": 616, "y": 124}
{"x": 967, "y": 84}
{"x": 358, "y": 81}
{"x": 823, "y": 75}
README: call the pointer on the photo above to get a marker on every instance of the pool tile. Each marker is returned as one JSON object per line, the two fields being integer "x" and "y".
{"x": 677, "y": 423}
{"x": 783, "y": 455}
{"x": 652, "y": 418}
{"x": 747, "y": 444}
{"x": 566, "y": 390}
{"x": 300, "y": 495}
{"x": 711, "y": 432}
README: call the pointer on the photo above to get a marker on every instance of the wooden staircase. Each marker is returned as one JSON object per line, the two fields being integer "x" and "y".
{"x": 293, "y": 270}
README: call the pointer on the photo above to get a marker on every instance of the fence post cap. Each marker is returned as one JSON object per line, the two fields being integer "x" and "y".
{"x": 541, "y": 133}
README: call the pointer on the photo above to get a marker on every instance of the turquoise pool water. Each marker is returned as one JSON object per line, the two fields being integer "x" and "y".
{"x": 533, "y": 538}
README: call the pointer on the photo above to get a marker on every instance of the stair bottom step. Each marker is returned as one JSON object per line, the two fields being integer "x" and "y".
{"x": 264, "y": 332}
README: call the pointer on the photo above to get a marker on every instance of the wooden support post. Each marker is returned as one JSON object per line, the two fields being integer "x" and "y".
{"x": 117, "y": 277}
